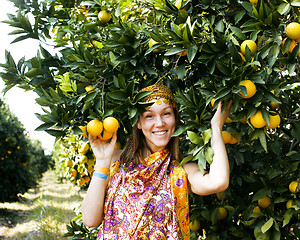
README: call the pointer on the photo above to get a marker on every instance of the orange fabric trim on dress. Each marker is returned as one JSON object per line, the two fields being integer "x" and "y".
{"x": 179, "y": 191}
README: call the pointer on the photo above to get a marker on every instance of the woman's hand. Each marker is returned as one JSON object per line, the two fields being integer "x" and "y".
{"x": 103, "y": 150}
{"x": 219, "y": 119}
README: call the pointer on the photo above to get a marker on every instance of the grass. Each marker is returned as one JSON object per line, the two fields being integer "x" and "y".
{"x": 41, "y": 213}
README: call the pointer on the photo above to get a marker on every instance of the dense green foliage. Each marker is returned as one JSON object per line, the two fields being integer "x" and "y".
{"x": 22, "y": 161}
{"x": 115, "y": 59}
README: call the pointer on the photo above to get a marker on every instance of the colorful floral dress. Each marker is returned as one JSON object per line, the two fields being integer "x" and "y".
{"x": 149, "y": 201}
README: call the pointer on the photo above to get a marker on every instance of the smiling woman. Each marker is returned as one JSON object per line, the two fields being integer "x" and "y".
{"x": 21, "y": 103}
{"x": 142, "y": 191}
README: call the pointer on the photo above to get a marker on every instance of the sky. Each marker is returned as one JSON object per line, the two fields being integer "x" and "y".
{"x": 21, "y": 104}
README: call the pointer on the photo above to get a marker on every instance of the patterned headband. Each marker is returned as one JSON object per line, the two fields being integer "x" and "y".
{"x": 159, "y": 91}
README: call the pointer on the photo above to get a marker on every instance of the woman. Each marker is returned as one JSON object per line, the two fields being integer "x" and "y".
{"x": 146, "y": 195}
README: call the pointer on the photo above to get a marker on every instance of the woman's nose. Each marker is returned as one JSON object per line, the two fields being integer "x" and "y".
{"x": 159, "y": 122}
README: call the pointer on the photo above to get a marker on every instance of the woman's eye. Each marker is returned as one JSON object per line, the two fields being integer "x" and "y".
{"x": 148, "y": 116}
{"x": 167, "y": 113}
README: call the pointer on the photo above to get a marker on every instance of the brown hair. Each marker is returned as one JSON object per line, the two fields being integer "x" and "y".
{"x": 136, "y": 143}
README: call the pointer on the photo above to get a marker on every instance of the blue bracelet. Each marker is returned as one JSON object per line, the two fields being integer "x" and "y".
{"x": 100, "y": 175}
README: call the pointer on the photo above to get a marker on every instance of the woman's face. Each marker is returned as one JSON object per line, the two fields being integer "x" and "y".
{"x": 157, "y": 124}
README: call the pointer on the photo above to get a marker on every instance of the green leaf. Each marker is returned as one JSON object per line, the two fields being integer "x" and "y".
{"x": 186, "y": 159}
{"x": 44, "y": 102}
{"x": 262, "y": 139}
{"x": 194, "y": 138}
{"x": 180, "y": 71}
{"x": 55, "y": 133}
{"x": 183, "y": 129}
{"x": 192, "y": 51}
{"x": 287, "y": 217}
{"x": 209, "y": 154}
{"x": 206, "y": 135}
{"x": 267, "y": 225}
{"x": 238, "y": 32}
{"x": 283, "y": 8}
{"x": 201, "y": 159}
{"x": 44, "y": 126}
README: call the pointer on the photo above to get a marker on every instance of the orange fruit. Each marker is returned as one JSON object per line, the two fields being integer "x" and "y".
{"x": 294, "y": 186}
{"x": 264, "y": 202}
{"x": 256, "y": 209}
{"x": 83, "y": 159}
{"x": 220, "y": 195}
{"x": 84, "y": 148}
{"x": 222, "y": 213}
{"x": 228, "y": 120}
{"x": 274, "y": 121}
{"x": 251, "y": 45}
{"x": 151, "y": 43}
{"x": 274, "y": 105}
{"x": 87, "y": 179}
{"x": 105, "y": 135}
{"x": 83, "y": 129}
{"x": 289, "y": 204}
{"x": 89, "y": 89}
{"x": 69, "y": 163}
{"x": 234, "y": 139}
{"x": 244, "y": 120}
{"x": 73, "y": 173}
{"x": 293, "y": 30}
{"x": 212, "y": 102}
{"x": 81, "y": 182}
{"x": 95, "y": 127}
{"x": 226, "y": 136}
{"x": 253, "y": 1}
{"x": 242, "y": 56}
{"x": 250, "y": 87}
{"x": 110, "y": 124}
{"x": 178, "y": 4}
{"x": 292, "y": 46}
{"x": 195, "y": 225}
{"x": 183, "y": 53}
{"x": 257, "y": 120}
{"x": 104, "y": 16}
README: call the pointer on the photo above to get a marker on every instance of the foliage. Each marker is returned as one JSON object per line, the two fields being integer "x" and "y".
{"x": 74, "y": 160}
{"x": 116, "y": 60}
{"x": 22, "y": 160}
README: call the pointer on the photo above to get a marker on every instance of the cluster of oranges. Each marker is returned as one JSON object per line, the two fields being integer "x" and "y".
{"x": 292, "y": 33}
{"x": 103, "y": 130}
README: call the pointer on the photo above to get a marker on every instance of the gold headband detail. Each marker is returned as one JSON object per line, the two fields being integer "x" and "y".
{"x": 159, "y": 91}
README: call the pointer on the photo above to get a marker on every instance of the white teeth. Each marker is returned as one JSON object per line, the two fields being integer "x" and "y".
{"x": 160, "y": 133}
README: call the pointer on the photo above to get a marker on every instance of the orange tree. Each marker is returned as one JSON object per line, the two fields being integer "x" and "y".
{"x": 22, "y": 161}
{"x": 206, "y": 51}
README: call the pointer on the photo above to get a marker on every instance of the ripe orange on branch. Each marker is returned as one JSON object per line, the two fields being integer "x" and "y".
{"x": 250, "y": 87}
{"x": 104, "y": 16}
{"x": 294, "y": 186}
{"x": 257, "y": 120}
{"x": 195, "y": 225}
{"x": 222, "y": 213}
{"x": 264, "y": 202}
{"x": 293, "y": 30}
{"x": 226, "y": 136}
{"x": 251, "y": 45}
{"x": 274, "y": 121}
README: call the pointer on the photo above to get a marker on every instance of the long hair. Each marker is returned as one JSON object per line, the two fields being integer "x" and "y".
{"x": 136, "y": 143}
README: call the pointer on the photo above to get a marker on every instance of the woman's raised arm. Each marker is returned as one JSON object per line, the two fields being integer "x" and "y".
{"x": 217, "y": 180}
